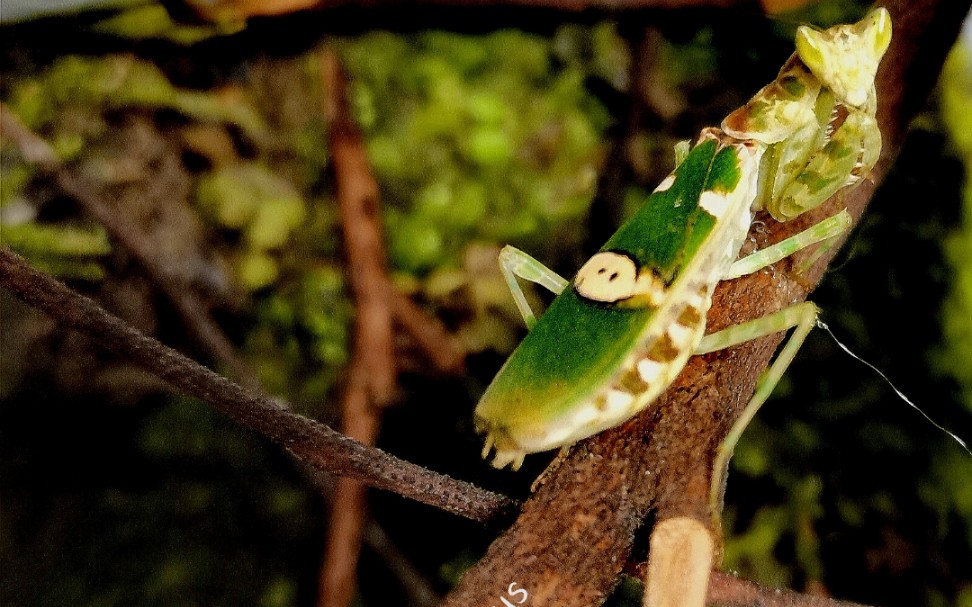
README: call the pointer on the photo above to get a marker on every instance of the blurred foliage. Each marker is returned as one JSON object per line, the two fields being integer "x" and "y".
{"x": 493, "y": 137}
{"x": 119, "y": 81}
{"x": 477, "y": 140}
{"x": 154, "y": 21}
{"x": 62, "y": 250}
{"x": 956, "y": 99}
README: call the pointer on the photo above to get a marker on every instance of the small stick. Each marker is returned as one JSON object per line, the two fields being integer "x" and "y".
{"x": 311, "y": 442}
{"x": 572, "y": 536}
{"x": 727, "y": 590}
{"x": 123, "y": 229}
{"x": 429, "y": 334}
{"x": 36, "y": 149}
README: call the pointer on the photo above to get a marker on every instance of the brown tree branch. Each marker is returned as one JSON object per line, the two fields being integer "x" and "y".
{"x": 575, "y": 533}
{"x": 727, "y": 590}
{"x": 932, "y": 27}
{"x": 367, "y": 268}
{"x": 311, "y": 442}
{"x": 36, "y": 149}
{"x": 372, "y": 369}
{"x": 373, "y": 347}
{"x": 429, "y": 334}
{"x": 124, "y": 230}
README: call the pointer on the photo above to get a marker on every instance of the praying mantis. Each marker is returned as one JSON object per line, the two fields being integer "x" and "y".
{"x": 622, "y": 329}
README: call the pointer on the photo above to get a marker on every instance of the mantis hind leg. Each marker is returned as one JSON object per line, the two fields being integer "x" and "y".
{"x": 515, "y": 263}
{"x": 803, "y": 316}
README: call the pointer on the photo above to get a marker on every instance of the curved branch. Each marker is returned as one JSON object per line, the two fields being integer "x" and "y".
{"x": 575, "y": 533}
{"x": 243, "y": 9}
{"x": 311, "y": 442}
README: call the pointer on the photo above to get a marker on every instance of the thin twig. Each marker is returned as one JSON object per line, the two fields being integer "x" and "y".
{"x": 420, "y": 593}
{"x": 312, "y": 442}
{"x": 416, "y": 586}
{"x": 36, "y": 149}
{"x": 186, "y": 302}
{"x": 372, "y": 368}
{"x": 357, "y": 193}
{"x": 727, "y": 590}
{"x": 122, "y": 228}
{"x": 574, "y": 534}
{"x": 427, "y": 331}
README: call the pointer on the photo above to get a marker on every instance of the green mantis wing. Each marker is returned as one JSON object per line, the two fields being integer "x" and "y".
{"x": 572, "y": 375}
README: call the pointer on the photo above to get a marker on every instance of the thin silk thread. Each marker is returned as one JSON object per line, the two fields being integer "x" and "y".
{"x": 900, "y": 394}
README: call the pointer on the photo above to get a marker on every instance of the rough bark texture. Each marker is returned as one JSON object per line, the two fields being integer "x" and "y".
{"x": 309, "y": 441}
{"x": 575, "y": 533}
{"x": 728, "y": 591}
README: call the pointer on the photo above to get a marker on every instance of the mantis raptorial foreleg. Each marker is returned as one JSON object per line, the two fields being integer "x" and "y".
{"x": 826, "y": 232}
{"x": 515, "y": 263}
{"x": 606, "y": 348}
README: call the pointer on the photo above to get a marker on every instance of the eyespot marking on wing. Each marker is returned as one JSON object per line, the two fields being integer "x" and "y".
{"x": 610, "y": 277}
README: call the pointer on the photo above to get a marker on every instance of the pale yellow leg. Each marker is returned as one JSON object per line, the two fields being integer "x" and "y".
{"x": 803, "y": 316}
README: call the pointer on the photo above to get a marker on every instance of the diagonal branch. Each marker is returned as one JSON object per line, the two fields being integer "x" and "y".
{"x": 311, "y": 442}
{"x": 123, "y": 229}
{"x": 575, "y": 533}
{"x": 207, "y": 332}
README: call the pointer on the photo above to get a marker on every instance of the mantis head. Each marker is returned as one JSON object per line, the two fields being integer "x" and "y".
{"x": 845, "y": 58}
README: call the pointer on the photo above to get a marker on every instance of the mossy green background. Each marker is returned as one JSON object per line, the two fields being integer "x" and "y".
{"x": 116, "y": 493}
